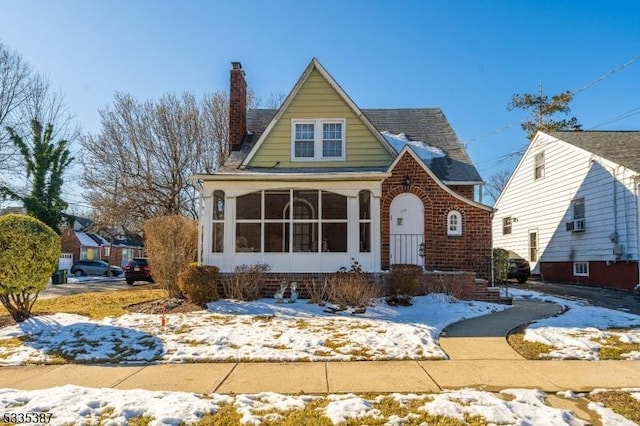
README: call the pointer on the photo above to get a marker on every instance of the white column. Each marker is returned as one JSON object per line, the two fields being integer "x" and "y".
{"x": 376, "y": 239}
{"x": 207, "y": 216}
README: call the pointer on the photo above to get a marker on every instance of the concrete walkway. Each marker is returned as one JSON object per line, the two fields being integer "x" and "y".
{"x": 480, "y": 358}
{"x": 484, "y": 338}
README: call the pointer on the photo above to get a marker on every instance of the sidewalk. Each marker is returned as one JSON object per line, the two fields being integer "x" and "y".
{"x": 480, "y": 358}
{"x": 334, "y": 377}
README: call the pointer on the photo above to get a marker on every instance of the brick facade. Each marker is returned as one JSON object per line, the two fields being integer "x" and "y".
{"x": 470, "y": 252}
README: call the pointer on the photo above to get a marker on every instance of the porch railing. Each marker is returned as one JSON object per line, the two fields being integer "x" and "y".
{"x": 407, "y": 248}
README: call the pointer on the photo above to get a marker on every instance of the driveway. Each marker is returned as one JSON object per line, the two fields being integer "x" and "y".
{"x": 612, "y": 299}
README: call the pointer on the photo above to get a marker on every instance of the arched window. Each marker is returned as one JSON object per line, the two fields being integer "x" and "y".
{"x": 454, "y": 223}
{"x": 217, "y": 227}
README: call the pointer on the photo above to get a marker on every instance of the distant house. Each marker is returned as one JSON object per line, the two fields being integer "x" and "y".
{"x": 320, "y": 183}
{"x": 571, "y": 208}
{"x": 80, "y": 243}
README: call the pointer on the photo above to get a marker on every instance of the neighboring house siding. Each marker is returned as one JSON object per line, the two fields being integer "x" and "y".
{"x": 317, "y": 99}
{"x": 470, "y": 252}
{"x": 545, "y": 205}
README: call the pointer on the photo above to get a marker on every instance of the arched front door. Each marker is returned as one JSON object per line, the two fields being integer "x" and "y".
{"x": 406, "y": 230}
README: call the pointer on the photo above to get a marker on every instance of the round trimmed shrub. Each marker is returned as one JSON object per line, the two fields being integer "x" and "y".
{"x": 199, "y": 283}
{"x": 29, "y": 254}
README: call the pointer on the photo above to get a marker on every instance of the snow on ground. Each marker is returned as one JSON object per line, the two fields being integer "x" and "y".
{"x": 78, "y": 405}
{"x": 229, "y": 330}
{"x": 582, "y": 330}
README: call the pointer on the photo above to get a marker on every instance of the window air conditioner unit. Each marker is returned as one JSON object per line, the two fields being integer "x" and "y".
{"x": 578, "y": 225}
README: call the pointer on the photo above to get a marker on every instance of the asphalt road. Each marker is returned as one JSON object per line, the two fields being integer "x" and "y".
{"x": 87, "y": 285}
{"x": 606, "y": 298}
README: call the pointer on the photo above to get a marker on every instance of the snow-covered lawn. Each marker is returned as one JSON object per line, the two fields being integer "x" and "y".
{"x": 583, "y": 331}
{"x": 79, "y": 405}
{"x": 247, "y": 331}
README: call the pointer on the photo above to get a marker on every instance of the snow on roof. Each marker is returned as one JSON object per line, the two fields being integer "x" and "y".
{"x": 86, "y": 240}
{"x": 424, "y": 151}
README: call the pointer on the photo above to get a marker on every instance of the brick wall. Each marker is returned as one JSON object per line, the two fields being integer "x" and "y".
{"x": 461, "y": 285}
{"x": 469, "y": 252}
{"x": 70, "y": 244}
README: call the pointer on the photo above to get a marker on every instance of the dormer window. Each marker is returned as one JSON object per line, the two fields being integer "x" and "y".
{"x": 318, "y": 140}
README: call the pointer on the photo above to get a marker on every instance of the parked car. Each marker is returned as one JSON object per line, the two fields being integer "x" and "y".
{"x": 518, "y": 268}
{"x": 95, "y": 267}
{"x": 137, "y": 269}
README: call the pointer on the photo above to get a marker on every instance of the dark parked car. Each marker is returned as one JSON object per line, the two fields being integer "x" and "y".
{"x": 518, "y": 268}
{"x": 95, "y": 267}
{"x": 137, "y": 269}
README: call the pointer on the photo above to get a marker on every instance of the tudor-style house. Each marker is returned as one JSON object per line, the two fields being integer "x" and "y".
{"x": 320, "y": 183}
{"x": 571, "y": 208}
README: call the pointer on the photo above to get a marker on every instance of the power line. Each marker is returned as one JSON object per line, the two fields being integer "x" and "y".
{"x": 607, "y": 75}
{"x": 630, "y": 113}
{"x": 581, "y": 89}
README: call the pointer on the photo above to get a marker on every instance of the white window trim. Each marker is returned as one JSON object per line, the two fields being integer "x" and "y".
{"x": 538, "y": 163}
{"x": 580, "y": 274}
{"x": 506, "y": 227}
{"x": 458, "y": 229}
{"x": 317, "y": 139}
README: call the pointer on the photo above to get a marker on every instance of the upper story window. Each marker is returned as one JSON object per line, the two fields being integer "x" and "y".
{"x": 506, "y": 225}
{"x": 454, "y": 223}
{"x": 538, "y": 167}
{"x": 320, "y": 139}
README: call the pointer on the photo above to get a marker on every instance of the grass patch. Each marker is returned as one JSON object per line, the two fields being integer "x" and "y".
{"x": 613, "y": 348}
{"x": 97, "y": 305}
{"x": 227, "y": 415}
{"x": 620, "y": 402}
{"x": 529, "y": 350}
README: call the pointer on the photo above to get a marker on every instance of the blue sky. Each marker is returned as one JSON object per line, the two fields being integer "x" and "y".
{"x": 465, "y": 57}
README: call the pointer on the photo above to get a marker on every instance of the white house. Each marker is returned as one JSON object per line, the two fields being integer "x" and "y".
{"x": 571, "y": 208}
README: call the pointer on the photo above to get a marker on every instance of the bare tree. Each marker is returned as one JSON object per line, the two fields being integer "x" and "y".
{"x": 275, "y": 100}
{"x": 15, "y": 75}
{"x": 26, "y": 96}
{"x": 152, "y": 148}
{"x": 496, "y": 183}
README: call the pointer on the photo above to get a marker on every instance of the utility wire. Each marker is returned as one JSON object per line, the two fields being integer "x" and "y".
{"x": 581, "y": 89}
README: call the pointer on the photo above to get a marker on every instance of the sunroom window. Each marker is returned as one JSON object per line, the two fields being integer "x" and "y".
{"x": 297, "y": 221}
{"x": 217, "y": 226}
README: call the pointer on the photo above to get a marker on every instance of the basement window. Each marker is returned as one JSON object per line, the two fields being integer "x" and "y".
{"x": 580, "y": 269}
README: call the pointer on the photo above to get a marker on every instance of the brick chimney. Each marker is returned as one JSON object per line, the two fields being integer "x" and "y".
{"x": 237, "y": 106}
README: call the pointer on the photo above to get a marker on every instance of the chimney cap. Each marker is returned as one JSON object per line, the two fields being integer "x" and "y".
{"x": 236, "y": 65}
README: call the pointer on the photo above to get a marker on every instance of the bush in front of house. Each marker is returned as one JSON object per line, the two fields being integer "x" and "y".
{"x": 353, "y": 288}
{"x": 29, "y": 254}
{"x": 246, "y": 282}
{"x": 199, "y": 283}
{"x": 500, "y": 265}
{"x": 403, "y": 284}
{"x": 171, "y": 243}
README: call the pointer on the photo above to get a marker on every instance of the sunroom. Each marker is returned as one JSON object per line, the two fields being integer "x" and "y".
{"x": 293, "y": 226}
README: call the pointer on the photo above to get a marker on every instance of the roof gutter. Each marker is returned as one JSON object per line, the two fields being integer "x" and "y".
{"x": 298, "y": 177}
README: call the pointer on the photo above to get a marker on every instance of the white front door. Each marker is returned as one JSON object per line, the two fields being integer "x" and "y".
{"x": 406, "y": 230}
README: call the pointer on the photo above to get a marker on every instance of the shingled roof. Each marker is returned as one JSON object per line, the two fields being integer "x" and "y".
{"x": 621, "y": 147}
{"x": 428, "y": 125}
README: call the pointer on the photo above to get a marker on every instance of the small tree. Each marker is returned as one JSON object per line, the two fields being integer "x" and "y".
{"x": 542, "y": 110}
{"x": 46, "y": 163}
{"x": 500, "y": 265}
{"x": 29, "y": 254}
{"x": 171, "y": 243}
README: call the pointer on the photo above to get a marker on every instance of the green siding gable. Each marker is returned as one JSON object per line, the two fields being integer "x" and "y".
{"x": 317, "y": 99}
